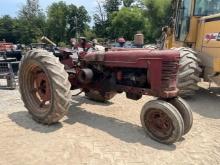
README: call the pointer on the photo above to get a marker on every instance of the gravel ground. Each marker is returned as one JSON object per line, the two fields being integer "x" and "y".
{"x": 106, "y": 134}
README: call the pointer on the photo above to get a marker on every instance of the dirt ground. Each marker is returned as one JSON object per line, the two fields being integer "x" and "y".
{"x": 106, "y": 134}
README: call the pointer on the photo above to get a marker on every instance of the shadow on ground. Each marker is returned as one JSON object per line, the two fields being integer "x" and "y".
{"x": 122, "y": 130}
{"x": 23, "y": 119}
{"x": 206, "y": 102}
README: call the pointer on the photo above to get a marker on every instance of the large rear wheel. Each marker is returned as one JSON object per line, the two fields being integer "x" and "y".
{"x": 189, "y": 71}
{"x": 44, "y": 86}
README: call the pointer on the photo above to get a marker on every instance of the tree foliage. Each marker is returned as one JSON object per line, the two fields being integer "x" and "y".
{"x": 32, "y": 22}
{"x": 128, "y": 3}
{"x": 77, "y": 20}
{"x": 112, "y": 19}
{"x": 148, "y": 16}
{"x": 30, "y": 9}
{"x": 64, "y": 21}
{"x": 8, "y": 28}
{"x": 100, "y": 20}
{"x": 128, "y": 21}
{"x": 57, "y": 21}
{"x": 158, "y": 13}
{"x": 111, "y": 6}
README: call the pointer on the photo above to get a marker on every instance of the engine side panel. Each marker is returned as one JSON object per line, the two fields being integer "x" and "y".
{"x": 160, "y": 67}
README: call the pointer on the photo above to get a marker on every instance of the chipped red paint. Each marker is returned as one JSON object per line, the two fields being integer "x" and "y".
{"x": 162, "y": 66}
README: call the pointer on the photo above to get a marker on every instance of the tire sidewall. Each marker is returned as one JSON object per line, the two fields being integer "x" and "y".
{"x": 25, "y": 62}
{"x": 171, "y": 111}
{"x": 185, "y": 111}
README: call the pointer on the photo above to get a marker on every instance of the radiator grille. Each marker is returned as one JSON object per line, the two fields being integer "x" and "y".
{"x": 169, "y": 74}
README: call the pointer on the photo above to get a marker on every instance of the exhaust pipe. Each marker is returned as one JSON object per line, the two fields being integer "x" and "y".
{"x": 85, "y": 76}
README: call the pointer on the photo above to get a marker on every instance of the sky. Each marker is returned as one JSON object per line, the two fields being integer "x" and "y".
{"x": 11, "y": 7}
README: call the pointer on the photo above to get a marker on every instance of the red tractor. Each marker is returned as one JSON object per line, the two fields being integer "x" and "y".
{"x": 46, "y": 80}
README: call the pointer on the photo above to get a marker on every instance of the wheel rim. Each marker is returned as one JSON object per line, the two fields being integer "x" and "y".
{"x": 158, "y": 123}
{"x": 38, "y": 89}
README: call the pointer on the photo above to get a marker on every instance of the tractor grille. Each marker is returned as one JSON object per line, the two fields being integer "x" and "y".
{"x": 169, "y": 74}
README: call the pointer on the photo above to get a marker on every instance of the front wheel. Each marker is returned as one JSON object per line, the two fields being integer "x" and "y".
{"x": 44, "y": 86}
{"x": 185, "y": 111}
{"x": 162, "y": 121}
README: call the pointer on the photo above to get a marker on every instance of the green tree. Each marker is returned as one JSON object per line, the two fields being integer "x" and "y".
{"x": 111, "y": 6}
{"x": 31, "y": 22}
{"x": 30, "y": 9}
{"x": 77, "y": 19}
{"x": 103, "y": 17}
{"x": 128, "y": 3}
{"x": 127, "y": 22}
{"x": 100, "y": 20}
{"x": 7, "y": 25}
{"x": 158, "y": 12}
{"x": 64, "y": 21}
{"x": 89, "y": 34}
{"x": 57, "y": 21}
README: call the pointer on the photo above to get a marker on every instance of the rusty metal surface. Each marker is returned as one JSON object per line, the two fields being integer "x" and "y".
{"x": 43, "y": 86}
{"x": 95, "y": 57}
{"x": 159, "y": 123}
{"x": 161, "y": 69}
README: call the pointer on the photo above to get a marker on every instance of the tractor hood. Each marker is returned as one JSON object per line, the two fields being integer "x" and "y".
{"x": 131, "y": 58}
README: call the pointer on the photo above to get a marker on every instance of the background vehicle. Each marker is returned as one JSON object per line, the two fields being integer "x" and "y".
{"x": 11, "y": 50}
{"x": 194, "y": 30}
{"x": 10, "y": 55}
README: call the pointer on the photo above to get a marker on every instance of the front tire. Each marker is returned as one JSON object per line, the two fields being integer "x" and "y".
{"x": 185, "y": 111}
{"x": 162, "y": 121}
{"x": 44, "y": 86}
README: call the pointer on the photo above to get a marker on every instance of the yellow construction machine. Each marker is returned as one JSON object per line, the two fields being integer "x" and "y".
{"x": 194, "y": 30}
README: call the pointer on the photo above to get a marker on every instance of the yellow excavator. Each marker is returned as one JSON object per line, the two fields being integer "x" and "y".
{"x": 194, "y": 30}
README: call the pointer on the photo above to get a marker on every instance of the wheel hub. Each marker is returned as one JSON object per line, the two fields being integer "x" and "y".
{"x": 42, "y": 86}
{"x": 159, "y": 123}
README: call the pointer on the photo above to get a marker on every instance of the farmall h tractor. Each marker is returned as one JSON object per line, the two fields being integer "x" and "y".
{"x": 195, "y": 32}
{"x": 46, "y": 80}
